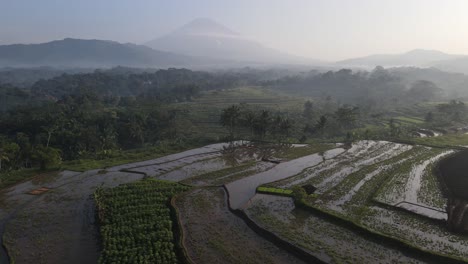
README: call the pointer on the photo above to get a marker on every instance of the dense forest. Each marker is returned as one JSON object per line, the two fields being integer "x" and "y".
{"x": 72, "y": 116}
{"x": 93, "y": 115}
{"x": 379, "y": 88}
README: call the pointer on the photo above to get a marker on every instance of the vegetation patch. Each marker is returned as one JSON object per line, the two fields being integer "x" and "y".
{"x": 275, "y": 191}
{"x": 223, "y": 175}
{"x": 9, "y": 178}
{"x": 448, "y": 140}
{"x": 126, "y": 156}
{"x": 135, "y": 222}
{"x": 410, "y": 120}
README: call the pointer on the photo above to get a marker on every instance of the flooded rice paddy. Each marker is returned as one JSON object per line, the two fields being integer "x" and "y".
{"x": 242, "y": 190}
{"x": 212, "y": 234}
{"x": 330, "y": 242}
{"x": 384, "y": 187}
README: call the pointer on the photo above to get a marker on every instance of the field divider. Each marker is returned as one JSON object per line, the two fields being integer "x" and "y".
{"x": 272, "y": 237}
{"x": 180, "y": 232}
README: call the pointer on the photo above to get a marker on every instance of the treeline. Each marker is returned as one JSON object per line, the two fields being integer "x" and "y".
{"x": 81, "y": 125}
{"x": 378, "y": 89}
{"x": 25, "y": 77}
{"x": 94, "y": 115}
{"x": 168, "y": 85}
{"x": 243, "y": 121}
{"x": 446, "y": 115}
{"x": 171, "y": 85}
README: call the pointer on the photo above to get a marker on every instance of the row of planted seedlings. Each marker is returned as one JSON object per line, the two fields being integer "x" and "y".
{"x": 412, "y": 228}
{"x": 341, "y": 164}
{"x": 392, "y": 181}
{"x": 136, "y": 223}
{"x": 353, "y": 200}
{"x": 357, "y": 189}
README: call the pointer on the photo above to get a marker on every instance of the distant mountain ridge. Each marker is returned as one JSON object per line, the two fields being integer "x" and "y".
{"x": 203, "y": 44}
{"x": 417, "y": 57}
{"x": 88, "y": 53}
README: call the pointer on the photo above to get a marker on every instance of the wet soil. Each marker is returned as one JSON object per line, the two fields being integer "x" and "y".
{"x": 56, "y": 226}
{"x": 212, "y": 234}
{"x": 242, "y": 190}
{"x": 328, "y": 241}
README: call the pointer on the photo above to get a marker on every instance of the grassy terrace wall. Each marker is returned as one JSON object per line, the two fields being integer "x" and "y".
{"x": 274, "y": 191}
{"x": 137, "y": 224}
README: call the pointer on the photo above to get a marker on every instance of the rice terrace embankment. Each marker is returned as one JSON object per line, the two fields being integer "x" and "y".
{"x": 377, "y": 201}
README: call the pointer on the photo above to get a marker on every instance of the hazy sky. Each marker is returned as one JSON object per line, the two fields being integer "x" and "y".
{"x": 323, "y": 29}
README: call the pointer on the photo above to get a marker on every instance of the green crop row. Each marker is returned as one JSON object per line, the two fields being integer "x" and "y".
{"x": 272, "y": 190}
{"x": 135, "y": 222}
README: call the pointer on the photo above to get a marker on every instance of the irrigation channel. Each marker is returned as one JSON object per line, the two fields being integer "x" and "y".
{"x": 51, "y": 217}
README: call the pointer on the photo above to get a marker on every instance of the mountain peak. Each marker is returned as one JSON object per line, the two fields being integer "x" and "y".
{"x": 204, "y": 26}
{"x": 204, "y": 37}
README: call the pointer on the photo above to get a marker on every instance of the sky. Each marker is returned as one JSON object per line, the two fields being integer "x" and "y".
{"x": 320, "y": 29}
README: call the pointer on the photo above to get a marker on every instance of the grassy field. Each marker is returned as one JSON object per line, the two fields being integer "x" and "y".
{"x": 410, "y": 120}
{"x": 9, "y": 178}
{"x": 200, "y": 117}
{"x": 449, "y": 140}
{"x": 128, "y": 156}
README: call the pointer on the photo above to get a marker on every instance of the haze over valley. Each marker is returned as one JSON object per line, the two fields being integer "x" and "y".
{"x": 202, "y": 43}
{"x": 233, "y": 131}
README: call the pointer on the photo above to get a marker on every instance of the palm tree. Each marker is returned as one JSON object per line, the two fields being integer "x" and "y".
{"x": 230, "y": 118}
{"x": 263, "y": 123}
{"x": 346, "y": 116}
{"x": 321, "y": 124}
{"x": 249, "y": 121}
{"x": 285, "y": 127}
{"x": 3, "y": 156}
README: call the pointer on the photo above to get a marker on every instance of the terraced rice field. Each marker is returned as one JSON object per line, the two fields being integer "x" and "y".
{"x": 375, "y": 202}
{"x": 324, "y": 239}
{"x": 385, "y": 188}
{"x": 200, "y": 117}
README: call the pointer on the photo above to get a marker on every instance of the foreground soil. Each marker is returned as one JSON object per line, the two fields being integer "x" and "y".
{"x": 57, "y": 226}
{"x": 212, "y": 234}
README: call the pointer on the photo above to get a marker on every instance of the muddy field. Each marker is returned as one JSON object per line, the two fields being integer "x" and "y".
{"x": 328, "y": 241}
{"x": 383, "y": 187}
{"x": 58, "y": 225}
{"x": 212, "y": 234}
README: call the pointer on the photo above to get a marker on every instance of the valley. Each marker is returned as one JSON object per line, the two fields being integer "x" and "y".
{"x": 193, "y": 132}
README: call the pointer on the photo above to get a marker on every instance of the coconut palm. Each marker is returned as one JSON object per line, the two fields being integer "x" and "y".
{"x": 230, "y": 118}
{"x": 3, "y": 156}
